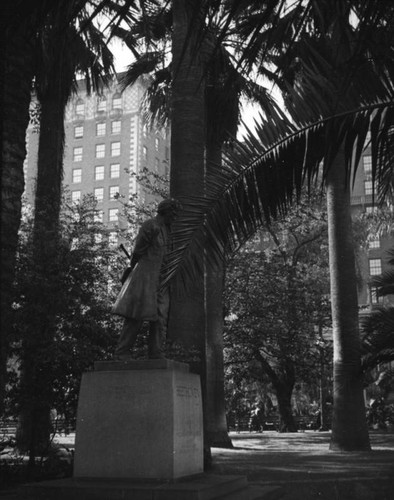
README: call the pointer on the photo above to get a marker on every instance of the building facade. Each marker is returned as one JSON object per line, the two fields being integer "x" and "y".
{"x": 107, "y": 145}
{"x": 374, "y": 260}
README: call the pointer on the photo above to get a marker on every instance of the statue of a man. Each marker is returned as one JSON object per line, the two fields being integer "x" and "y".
{"x": 140, "y": 298}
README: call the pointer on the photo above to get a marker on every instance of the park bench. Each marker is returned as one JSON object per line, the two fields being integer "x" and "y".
{"x": 305, "y": 422}
{"x": 8, "y": 427}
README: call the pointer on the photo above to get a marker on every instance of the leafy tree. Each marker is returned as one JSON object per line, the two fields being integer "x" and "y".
{"x": 83, "y": 329}
{"x": 277, "y": 302}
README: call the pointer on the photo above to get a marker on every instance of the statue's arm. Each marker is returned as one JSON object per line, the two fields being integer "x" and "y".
{"x": 143, "y": 242}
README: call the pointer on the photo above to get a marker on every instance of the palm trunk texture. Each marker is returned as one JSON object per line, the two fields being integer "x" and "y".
{"x": 349, "y": 426}
{"x": 18, "y": 75}
{"x": 36, "y": 367}
{"x": 216, "y": 421}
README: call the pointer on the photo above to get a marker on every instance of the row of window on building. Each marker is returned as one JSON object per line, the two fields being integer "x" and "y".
{"x": 113, "y": 193}
{"x": 99, "y": 151}
{"x": 101, "y": 129}
{"x": 99, "y": 173}
{"x": 101, "y": 104}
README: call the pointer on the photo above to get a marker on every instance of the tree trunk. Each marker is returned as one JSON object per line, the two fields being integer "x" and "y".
{"x": 283, "y": 393}
{"x": 18, "y": 74}
{"x": 216, "y": 422}
{"x": 36, "y": 367}
{"x": 187, "y": 319}
{"x": 187, "y": 316}
{"x": 349, "y": 426}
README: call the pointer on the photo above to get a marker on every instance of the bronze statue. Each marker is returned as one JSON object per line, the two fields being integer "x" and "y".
{"x": 140, "y": 298}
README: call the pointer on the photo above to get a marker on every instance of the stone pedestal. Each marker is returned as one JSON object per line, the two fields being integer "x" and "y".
{"x": 139, "y": 420}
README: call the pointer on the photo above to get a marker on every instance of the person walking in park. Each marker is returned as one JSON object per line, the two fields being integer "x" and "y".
{"x": 141, "y": 298}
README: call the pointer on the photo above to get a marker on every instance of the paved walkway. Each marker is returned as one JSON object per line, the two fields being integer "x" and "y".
{"x": 300, "y": 466}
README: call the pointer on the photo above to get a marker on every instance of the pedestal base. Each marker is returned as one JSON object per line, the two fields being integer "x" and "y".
{"x": 139, "y": 420}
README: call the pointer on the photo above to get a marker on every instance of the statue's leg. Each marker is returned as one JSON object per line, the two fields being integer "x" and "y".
{"x": 154, "y": 341}
{"x": 158, "y": 329}
{"x": 128, "y": 336}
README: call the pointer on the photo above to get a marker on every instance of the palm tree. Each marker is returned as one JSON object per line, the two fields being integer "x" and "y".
{"x": 259, "y": 181}
{"x": 22, "y": 20}
{"x": 22, "y": 23}
{"x": 334, "y": 60}
{"x": 64, "y": 52}
{"x": 222, "y": 87}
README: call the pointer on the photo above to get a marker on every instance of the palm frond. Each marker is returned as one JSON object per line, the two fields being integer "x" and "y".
{"x": 259, "y": 179}
{"x": 377, "y": 337}
{"x": 145, "y": 64}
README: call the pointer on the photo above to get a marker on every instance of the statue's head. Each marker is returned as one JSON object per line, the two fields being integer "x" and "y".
{"x": 169, "y": 207}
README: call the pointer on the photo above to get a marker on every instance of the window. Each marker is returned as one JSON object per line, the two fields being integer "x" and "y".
{"x": 99, "y": 194}
{"x": 367, "y": 164}
{"x": 115, "y": 148}
{"x": 80, "y": 107}
{"x": 98, "y": 216}
{"x": 114, "y": 170}
{"x": 116, "y": 127}
{"x": 77, "y": 175}
{"x": 102, "y": 105}
{"x": 78, "y": 132}
{"x": 77, "y": 154}
{"x": 157, "y": 143}
{"x": 375, "y": 267}
{"x": 368, "y": 186}
{"x": 145, "y": 130}
{"x": 117, "y": 101}
{"x": 113, "y": 192}
{"x": 75, "y": 196}
{"x": 374, "y": 243}
{"x": 371, "y": 209}
{"x": 113, "y": 238}
{"x": 145, "y": 153}
{"x": 100, "y": 150}
{"x": 99, "y": 173}
{"x": 375, "y": 298}
{"x": 100, "y": 128}
{"x": 157, "y": 163}
{"x": 113, "y": 215}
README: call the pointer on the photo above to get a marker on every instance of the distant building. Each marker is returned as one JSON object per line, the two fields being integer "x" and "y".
{"x": 106, "y": 144}
{"x": 373, "y": 262}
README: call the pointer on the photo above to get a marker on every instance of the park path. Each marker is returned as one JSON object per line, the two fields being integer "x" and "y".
{"x": 300, "y": 466}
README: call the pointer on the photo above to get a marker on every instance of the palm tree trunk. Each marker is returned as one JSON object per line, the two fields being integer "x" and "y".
{"x": 216, "y": 422}
{"x": 36, "y": 367}
{"x": 349, "y": 426}
{"x": 187, "y": 159}
{"x": 187, "y": 319}
{"x": 18, "y": 75}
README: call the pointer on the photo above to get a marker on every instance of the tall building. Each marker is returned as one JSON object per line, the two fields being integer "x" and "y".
{"x": 107, "y": 144}
{"x": 373, "y": 261}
